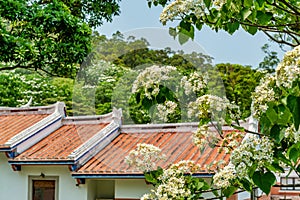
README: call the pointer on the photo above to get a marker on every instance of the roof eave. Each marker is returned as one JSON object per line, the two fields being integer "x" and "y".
{"x": 41, "y": 162}
{"x": 127, "y": 176}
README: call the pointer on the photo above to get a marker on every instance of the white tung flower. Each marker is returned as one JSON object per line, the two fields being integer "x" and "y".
{"x": 223, "y": 178}
{"x": 252, "y": 150}
{"x": 263, "y": 94}
{"x": 288, "y": 70}
{"x": 144, "y": 157}
{"x": 151, "y": 78}
{"x": 166, "y": 109}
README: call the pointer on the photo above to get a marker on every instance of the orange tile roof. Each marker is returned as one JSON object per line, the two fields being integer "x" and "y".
{"x": 12, "y": 124}
{"x": 176, "y": 146}
{"x": 59, "y": 144}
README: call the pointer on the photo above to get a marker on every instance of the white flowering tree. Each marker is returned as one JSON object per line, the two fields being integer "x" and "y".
{"x": 279, "y": 19}
{"x": 175, "y": 182}
{"x": 276, "y": 147}
{"x": 276, "y": 104}
{"x": 17, "y": 88}
{"x": 163, "y": 94}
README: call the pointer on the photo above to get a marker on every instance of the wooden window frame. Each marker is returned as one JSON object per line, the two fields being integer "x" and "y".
{"x": 291, "y": 187}
{"x": 46, "y": 178}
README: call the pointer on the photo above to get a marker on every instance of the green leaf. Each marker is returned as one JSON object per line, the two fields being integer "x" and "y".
{"x": 282, "y": 158}
{"x": 265, "y": 124}
{"x": 245, "y": 13}
{"x": 229, "y": 191}
{"x": 293, "y": 103}
{"x": 260, "y": 2}
{"x": 298, "y": 168}
{"x": 185, "y": 25}
{"x": 232, "y": 27}
{"x": 248, "y": 3}
{"x": 185, "y": 34}
{"x": 264, "y": 180}
{"x": 272, "y": 114}
{"x": 293, "y": 153}
{"x": 246, "y": 184}
{"x": 264, "y": 17}
{"x": 252, "y": 169}
{"x": 199, "y": 25}
{"x": 172, "y": 32}
{"x": 275, "y": 167}
{"x": 182, "y": 38}
{"x": 276, "y": 133}
{"x": 240, "y": 128}
{"x": 252, "y": 30}
{"x": 152, "y": 176}
{"x": 284, "y": 115}
{"x": 207, "y": 3}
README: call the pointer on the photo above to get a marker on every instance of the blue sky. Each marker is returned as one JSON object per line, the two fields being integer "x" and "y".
{"x": 239, "y": 48}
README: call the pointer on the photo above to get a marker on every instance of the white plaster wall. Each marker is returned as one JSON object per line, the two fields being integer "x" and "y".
{"x": 135, "y": 189}
{"x": 14, "y": 185}
{"x": 129, "y": 188}
{"x": 92, "y": 189}
{"x": 105, "y": 189}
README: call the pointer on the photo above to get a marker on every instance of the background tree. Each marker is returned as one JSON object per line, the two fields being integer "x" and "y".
{"x": 270, "y": 61}
{"x": 278, "y": 19}
{"x": 92, "y": 12}
{"x": 239, "y": 82}
{"x": 49, "y": 36}
{"x": 124, "y": 56}
{"x": 17, "y": 88}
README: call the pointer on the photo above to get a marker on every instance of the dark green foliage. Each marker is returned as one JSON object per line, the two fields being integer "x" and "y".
{"x": 45, "y": 38}
{"x": 239, "y": 82}
{"x": 16, "y": 89}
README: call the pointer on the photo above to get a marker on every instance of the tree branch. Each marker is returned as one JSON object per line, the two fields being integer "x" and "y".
{"x": 279, "y": 41}
{"x": 26, "y": 67}
{"x": 296, "y": 10}
{"x": 281, "y": 8}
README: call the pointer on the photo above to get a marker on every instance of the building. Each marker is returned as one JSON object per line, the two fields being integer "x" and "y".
{"x": 45, "y": 154}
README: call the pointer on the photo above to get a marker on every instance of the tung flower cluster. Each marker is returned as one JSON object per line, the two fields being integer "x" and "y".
{"x": 252, "y": 151}
{"x": 166, "y": 109}
{"x": 292, "y": 135}
{"x": 196, "y": 83}
{"x": 263, "y": 94}
{"x": 179, "y": 8}
{"x": 144, "y": 157}
{"x": 174, "y": 184}
{"x": 209, "y": 106}
{"x": 151, "y": 78}
{"x": 287, "y": 73}
{"x": 203, "y": 137}
{"x": 288, "y": 70}
{"x": 223, "y": 178}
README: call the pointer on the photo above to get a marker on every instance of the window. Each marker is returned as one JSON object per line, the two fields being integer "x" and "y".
{"x": 291, "y": 183}
{"x": 43, "y": 188}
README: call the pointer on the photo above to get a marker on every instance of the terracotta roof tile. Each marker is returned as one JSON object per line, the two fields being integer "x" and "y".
{"x": 175, "y": 145}
{"x": 11, "y": 125}
{"x": 61, "y": 143}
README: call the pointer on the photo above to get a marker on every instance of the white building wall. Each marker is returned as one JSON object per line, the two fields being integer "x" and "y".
{"x": 15, "y": 184}
{"x": 131, "y": 189}
{"x": 92, "y": 189}
{"x": 12, "y": 186}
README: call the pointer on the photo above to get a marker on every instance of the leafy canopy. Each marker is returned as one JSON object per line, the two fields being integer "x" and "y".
{"x": 50, "y": 36}
{"x": 278, "y": 19}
